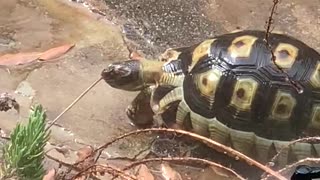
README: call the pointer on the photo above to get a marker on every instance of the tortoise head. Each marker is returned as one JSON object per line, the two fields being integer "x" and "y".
{"x": 125, "y": 75}
{"x": 132, "y": 75}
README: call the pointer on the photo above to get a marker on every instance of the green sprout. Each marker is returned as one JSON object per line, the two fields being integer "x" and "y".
{"x": 24, "y": 154}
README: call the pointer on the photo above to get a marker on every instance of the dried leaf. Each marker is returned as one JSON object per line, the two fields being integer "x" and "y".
{"x": 84, "y": 152}
{"x": 216, "y": 173}
{"x": 144, "y": 173}
{"x": 50, "y": 175}
{"x": 168, "y": 173}
{"x": 19, "y": 58}
{"x": 55, "y": 52}
{"x": 29, "y": 57}
{"x": 81, "y": 178}
{"x": 85, "y": 156}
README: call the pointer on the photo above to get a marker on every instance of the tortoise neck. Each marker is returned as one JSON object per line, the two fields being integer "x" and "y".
{"x": 151, "y": 71}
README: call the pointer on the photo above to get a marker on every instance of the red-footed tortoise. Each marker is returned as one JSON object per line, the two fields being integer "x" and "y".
{"x": 228, "y": 88}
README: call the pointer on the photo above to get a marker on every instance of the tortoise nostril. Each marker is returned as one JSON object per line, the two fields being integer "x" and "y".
{"x": 109, "y": 69}
{"x": 108, "y": 72}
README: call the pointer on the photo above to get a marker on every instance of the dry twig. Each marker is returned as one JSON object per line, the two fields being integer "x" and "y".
{"x": 294, "y": 165}
{"x": 93, "y": 169}
{"x": 74, "y": 102}
{"x": 184, "y": 159}
{"x": 307, "y": 140}
{"x": 269, "y": 23}
{"x": 209, "y": 142}
{"x": 102, "y": 168}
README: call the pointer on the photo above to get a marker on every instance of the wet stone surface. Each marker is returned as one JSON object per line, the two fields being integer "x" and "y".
{"x": 157, "y": 25}
{"x": 166, "y": 23}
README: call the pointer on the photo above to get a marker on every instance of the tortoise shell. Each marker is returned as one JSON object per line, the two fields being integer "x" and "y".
{"x": 233, "y": 78}
{"x": 231, "y": 89}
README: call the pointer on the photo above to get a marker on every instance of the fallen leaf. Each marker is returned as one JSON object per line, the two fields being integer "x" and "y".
{"x": 50, "y": 175}
{"x": 84, "y": 152}
{"x": 55, "y": 52}
{"x": 19, "y": 58}
{"x": 144, "y": 173}
{"x": 168, "y": 173}
{"x": 217, "y": 174}
{"x": 81, "y": 178}
{"x": 85, "y": 157}
{"x": 29, "y": 57}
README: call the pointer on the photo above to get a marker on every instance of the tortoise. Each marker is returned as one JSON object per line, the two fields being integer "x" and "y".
{"x": 235, "y": 90}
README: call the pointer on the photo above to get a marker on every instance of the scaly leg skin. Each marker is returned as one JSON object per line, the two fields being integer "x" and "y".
{"x": 141, "y": 114}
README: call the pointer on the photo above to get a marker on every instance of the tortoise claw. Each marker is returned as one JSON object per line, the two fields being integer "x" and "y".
{"x": 139, "y": 111}
{"x": 130, "y": 111}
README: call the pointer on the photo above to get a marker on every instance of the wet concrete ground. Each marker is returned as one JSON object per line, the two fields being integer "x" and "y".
{"x": 39, "y": 25}
{"x": 150, "y": 26}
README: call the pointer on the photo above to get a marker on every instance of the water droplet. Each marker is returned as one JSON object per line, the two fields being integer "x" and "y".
{"x": 237, "y": 158}
{"x": 271, "y": 164}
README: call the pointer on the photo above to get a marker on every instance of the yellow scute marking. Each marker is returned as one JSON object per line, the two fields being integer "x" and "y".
{"x": 207, "y": 82}
{"x": 283, "y": 106}
{"x": 200, "y": 51}
{"x": 243, "y": 93}
{"x": 288, "y": 60}
{"x": 315, "y": 122}
{"x": 241, "y": 46}
{"x": 315, "y": 77}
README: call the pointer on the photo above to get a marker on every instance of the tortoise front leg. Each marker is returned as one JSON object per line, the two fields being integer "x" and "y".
{"x": 139, "y": 111}
{"x": 142, "y": 115}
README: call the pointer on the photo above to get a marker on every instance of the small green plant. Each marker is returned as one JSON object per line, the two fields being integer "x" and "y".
{"x": 24, "y": 154}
